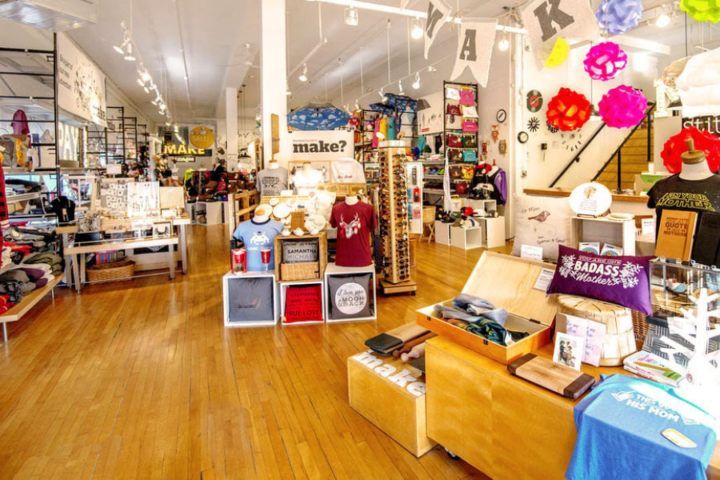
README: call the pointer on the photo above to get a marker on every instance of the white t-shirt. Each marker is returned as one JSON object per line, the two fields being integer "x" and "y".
{"x": 307, "y": 182}
{"x": 347, "y": 170}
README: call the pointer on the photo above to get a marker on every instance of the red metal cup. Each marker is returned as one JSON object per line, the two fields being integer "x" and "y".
{"x": 239, "y": 258}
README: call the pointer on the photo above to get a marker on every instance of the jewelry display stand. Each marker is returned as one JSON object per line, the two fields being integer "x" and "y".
{"x": 394, "y": 226}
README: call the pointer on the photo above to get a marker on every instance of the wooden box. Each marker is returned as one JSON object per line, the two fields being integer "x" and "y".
{"x": 391, "y": 396}
{"x": 620, "y": 234}
{"x": 511, "y": 283}
{"x": 318, "y": 274}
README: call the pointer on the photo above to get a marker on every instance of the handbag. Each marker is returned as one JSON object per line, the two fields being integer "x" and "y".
{"x": 453, "y": 141}
{"x": 469, "y": 112}
{"x": 452, "y": 93}
{"x": 467, "y": 97}
{"x": 469, "y": 156}
{"x": 469, "y": 141}
{"x": 469, "y": 126}
{"x": 453, "y": 110}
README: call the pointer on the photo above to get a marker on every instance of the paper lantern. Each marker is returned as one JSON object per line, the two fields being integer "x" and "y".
{"x": 623, "y": 107}
{"x": 559, "y": 53}
{"x": 702, "y": 10}
{"x": 568, "y": 110}
{"x": 618, "y": 16}
{"x": 676, "y": 146}
{"x": 604, "y": 61}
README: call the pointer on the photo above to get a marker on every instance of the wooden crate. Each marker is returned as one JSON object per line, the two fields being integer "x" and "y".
{"x": 343, "y": 190}
{"x": 380, "y": 389}
{"x": 507, "y": 282}
{"x": 620, "y": 234}
{"x": 322, "y": 254}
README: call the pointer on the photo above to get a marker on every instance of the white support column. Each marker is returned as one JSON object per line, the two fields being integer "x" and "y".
{"x": 231, "y": 128}
{"x": 274, "y": 77}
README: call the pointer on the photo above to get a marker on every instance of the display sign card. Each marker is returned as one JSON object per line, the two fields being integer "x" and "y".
{"x": 592, "y": 332}
{"x": 544, "y": 279}
{"x": 648, "y": 226}
{"x": 302, "y": 251}
{"x": 322, "y": 144}
{"x": 81, "y": 84}
{"x": 531, "y": 252}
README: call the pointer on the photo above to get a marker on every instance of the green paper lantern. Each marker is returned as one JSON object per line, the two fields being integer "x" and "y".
{"x": 702, "y": 10}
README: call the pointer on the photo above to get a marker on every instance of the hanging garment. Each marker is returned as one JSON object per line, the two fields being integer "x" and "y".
{"x": 391, "y": 128}
{"x": 20, "y": 124}
{"x": 384, "y": 127}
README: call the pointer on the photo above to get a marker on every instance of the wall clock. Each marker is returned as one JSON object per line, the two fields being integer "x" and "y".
{"x": 523, "y": 137}
{"x": 501, "y": 116}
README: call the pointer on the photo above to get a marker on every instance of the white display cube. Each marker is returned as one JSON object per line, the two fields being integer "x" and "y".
{"x": 442, "y": 232}
{"x": 213, "y": 212}
{"x": 230, "y": 302}
{"x": 304, "y": 283}
{"x": 494, "y": 232}
{"x": 333, "y": 270}
{"x": 466, "y": 238}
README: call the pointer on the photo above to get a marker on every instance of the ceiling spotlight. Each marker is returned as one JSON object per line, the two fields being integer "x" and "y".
{"x": 154, "y": 102}
{"x": 400, "y": 89}
{"x": 177, "y": 129}
{"x": 417, "y": 29}
{"x": 129, "y": 53}
{"x": 258, "y": 117}
{"x": 121, "y": 48}
{"x": 145, "y": 75}
{"x": 287, "y": 90}
{"x": 416, "y": 83}
{"x": 167, "y": 124}
{"x": 147, "y": 90}
{"x": 303, "y": 76}
{"x": 162, "y": 107}
{"x": 663, "y": 20}
{"x": 140, "y": 82}
{"x": 432, "y": 69}
{"x": 352, "y": 16}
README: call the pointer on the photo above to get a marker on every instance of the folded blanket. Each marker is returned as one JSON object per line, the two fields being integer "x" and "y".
{"x": 15, "y": 275}
{"x": 481, "y": 308}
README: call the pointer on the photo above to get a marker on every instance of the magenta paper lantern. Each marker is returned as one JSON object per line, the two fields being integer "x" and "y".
{"x": 604, "y": 61}
{"x": 623, "y": 107}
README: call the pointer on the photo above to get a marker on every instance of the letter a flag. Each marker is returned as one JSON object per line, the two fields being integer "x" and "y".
{"x": 475, "y": 45}
{"x": 548, "y": 20}
{"x": 436, "y": 16}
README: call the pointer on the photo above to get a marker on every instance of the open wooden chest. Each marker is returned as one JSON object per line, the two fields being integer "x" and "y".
{"x": 515, "y": 284}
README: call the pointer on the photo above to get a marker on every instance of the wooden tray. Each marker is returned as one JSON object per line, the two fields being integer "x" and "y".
{"x": 507, "y": 282}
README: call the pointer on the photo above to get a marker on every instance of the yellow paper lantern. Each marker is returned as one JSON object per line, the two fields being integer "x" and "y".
{"x": 559, "y": 53}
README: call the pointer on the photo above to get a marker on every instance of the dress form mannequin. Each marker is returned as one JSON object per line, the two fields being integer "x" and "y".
{"x": 353, "y": 200}
{"x": 695, "y": 166}
{"x": 273, "y": 164}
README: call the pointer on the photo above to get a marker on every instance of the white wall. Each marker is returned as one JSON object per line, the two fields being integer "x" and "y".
{"x": 639, "y": 73}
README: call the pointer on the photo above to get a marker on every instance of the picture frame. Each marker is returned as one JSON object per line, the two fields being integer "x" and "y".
{"x": 162, "y": 229}
{"x": 569, "y": 350}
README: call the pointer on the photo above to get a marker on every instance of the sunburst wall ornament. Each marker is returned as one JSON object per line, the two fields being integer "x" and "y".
{"x": 533, "y": 124}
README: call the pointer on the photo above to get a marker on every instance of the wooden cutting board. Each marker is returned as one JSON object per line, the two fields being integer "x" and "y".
{"x": 557, "y": 378}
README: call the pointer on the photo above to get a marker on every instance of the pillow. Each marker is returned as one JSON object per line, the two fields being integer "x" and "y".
{"x": 542, "y": 222}
{"x": 250, "y": 299}
{"x": 303, "y": 304}
{"x": 350, "y": 297}
{"x": 624, "y": 280}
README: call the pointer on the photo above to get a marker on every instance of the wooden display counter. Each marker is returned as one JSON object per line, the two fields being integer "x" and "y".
{"x": 502, "y": 425}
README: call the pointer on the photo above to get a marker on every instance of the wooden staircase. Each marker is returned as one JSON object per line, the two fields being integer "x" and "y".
{"x": 634, "y": 159}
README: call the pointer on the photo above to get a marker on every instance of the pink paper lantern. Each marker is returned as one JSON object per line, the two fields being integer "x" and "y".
{"x": 604, "y": 61}
{"x": 623, "y": 107}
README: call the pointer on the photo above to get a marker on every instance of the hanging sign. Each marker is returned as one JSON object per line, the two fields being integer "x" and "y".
{"x": 81, "y": 84}
{"x": 475, "y": 45}
{"x": 436, "y": 16}
{"x": 548, "y": 20}
{"x": 182, "y": 150}
{"x": 322, "y": 144}
{"x": 202, "y": 137}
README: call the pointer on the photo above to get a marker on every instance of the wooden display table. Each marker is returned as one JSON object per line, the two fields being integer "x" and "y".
{"x": 27, "y": 303}
{"x": 501, "y": 424}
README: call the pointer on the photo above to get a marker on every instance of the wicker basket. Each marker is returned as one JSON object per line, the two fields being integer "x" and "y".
{"x": 640, "y": 326}
{"x": 111, "y": 272}
{"x": 299, "y": 271}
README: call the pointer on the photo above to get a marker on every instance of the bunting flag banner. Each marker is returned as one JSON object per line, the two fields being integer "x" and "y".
{"x": 475, "y": 45}
{"x": 436, "y": 16}
{"x": 403, "y": 4}
{"x": 548, "y": 20}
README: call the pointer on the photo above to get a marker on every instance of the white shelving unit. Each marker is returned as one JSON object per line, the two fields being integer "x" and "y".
{"x": 230, "y": 277}
{"x": 333, "y": 270}
{"x": 466, "y": 238}
{"x": 442, "y": 232}
{"x": 588, "y": 229}
{"x": 213, "y": 212}
{"x": 283, "y": 298}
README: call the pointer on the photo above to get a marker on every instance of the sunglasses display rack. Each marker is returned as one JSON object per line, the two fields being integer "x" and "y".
{"x": 394, "y": 225}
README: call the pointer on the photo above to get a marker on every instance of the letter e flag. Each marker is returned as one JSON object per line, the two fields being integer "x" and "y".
{"x": 475, "y": 45}
{"x": 436, "y": 16}
{"x": 548, "y": 20}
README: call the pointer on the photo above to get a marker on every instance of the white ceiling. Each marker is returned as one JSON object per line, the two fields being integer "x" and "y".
{"x": 222, "y": 42}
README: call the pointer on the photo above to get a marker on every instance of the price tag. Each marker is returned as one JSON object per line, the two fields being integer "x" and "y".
{"x": 648, "y": 226}
{"x": 544, "y": 279}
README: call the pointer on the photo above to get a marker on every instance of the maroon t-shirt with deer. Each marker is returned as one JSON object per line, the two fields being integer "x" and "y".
{"x": 355, "y": 224}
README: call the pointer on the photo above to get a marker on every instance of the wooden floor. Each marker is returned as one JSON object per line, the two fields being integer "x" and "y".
{"x": 141, "y": 380}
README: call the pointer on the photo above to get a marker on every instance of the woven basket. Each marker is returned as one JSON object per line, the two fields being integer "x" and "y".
{"x": 640, "y": 326}
{"x": 619, "y": 341}
{"x": 111, "y": 272}
{"x": 299, "y": 271}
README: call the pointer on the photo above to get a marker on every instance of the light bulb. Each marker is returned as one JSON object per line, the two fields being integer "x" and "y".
{"x": 129, "y": 53}
{"x": 147, "y": 90}
{"x": 416, "y": 83}
{"x": 417, "y": 30}
{"x": 140, "y": 82}
{"x": 119, "y": 49}
{"x": 503, "y": 45}
{"x": 352, "y": 16}
{"x": 303, "y": 76}
{"x": 662, "y": 21}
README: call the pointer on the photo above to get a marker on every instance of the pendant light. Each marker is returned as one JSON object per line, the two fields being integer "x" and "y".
{"x": 416, "y": 83}
{"x": 129, "y": 53}
{"x": 352, "y": 16}
{"x": 416, "y": 28}
{"x": 303, "y": 76}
